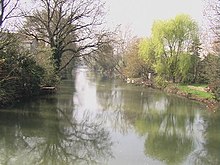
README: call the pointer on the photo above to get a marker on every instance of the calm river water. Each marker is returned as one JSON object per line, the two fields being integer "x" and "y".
{"x": 96, "y": 121}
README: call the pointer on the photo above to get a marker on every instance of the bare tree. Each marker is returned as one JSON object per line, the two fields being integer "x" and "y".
{"x": 7, "y": 8}
{"x": 67, "y": 26}
{"x": 108, "y": 57}
{"x": 212, "y": 12}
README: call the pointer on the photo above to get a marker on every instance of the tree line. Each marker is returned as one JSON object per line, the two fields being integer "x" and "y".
{"x": 174, "y": 53}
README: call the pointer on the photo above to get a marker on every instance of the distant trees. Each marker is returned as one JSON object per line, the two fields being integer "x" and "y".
{"x": 134, "y": 67}
{"x": 104, "y": 57}
{"x": 107, "y": 58}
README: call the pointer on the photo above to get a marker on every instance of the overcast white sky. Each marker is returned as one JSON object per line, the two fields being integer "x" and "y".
{"x": 140, "y": 14}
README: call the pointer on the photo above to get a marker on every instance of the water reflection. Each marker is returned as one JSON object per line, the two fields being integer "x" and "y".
{"x": 108, "y": 122}
{"x": 169, "y": 132}
{"x": 208, "y": 152}
{"x": 49, "y": 133}
{"x": 177, "y": 130}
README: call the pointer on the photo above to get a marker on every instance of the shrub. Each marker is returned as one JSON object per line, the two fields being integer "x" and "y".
{"x": 21, "y": 74}
{"x": 215, "y": 88}
{"x": 160, "y": 82}
{"x": 42, "y": 57}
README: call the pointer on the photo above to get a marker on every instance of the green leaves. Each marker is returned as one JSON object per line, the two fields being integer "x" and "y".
{"x": 147, "y": 51}
{"x": 168, "y": 49}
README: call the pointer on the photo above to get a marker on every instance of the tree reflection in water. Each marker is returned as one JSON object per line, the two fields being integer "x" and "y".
{"x": 175, "y": 129}
{"x": 52, "y": 136}
{"x": 55, "y": 130}
{"x": 111, "y": 100}
{"x": 209, "y": 150}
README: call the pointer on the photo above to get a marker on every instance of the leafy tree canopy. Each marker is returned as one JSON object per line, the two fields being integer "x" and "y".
{"x": 169, "y": 49}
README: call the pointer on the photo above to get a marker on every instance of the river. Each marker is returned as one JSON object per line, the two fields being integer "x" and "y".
{"x": 92, "y": 120}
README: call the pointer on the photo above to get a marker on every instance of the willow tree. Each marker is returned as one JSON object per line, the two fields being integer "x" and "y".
{"x": 173, "y": 41}
{"x": 146, "y": 51}
{"x": 67, "y": 26}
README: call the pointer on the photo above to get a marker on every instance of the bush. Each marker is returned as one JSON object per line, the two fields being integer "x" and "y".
{"x": 160, "y": 82}
{"x": 42, "y": 56}
{"x": 31, "y": 76}
{"x": 20, "y": 77}
{"x": 215, "y": 88}
{"x": 21, "y": 74}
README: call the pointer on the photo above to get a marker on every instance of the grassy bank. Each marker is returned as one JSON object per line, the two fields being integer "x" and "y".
{"x": 199, "y": 90}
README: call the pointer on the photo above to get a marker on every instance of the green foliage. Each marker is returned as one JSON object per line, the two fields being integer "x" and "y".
{"x": 210, "y": 73}
{"x": 160, "y": 82}
{"x": 21, "y": 75}
{"x": 211, "y": 67}
{"x": 147, "y": 54}
{"x": 172, "y": 39}
{"x": 215, "y": 88}
{"x": 184, "y": 66}
{"x": 42, "y": 56}
{"x": 172, "y": 52}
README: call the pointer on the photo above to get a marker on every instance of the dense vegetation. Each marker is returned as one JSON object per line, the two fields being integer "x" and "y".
{"x": 174, "y": 57}
{"x": 173, "y": 54}
{"x": 22, "y": 73}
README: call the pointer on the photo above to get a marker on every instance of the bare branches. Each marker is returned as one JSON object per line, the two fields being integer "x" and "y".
{"x": 212, "y": 12}
{"x": 67, "y": 26}
{"x": 7, "y": 8}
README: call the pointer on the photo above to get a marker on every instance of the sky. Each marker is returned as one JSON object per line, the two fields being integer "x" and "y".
{"x": 139, "y": 15}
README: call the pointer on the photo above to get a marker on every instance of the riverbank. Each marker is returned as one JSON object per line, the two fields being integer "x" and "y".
{"x": 191, "y": 92}
{"x": 9, "y": 99}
